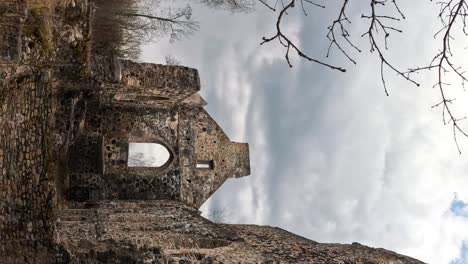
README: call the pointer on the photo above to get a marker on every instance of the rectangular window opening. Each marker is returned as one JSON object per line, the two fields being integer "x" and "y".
{"x": 205, "y": 164}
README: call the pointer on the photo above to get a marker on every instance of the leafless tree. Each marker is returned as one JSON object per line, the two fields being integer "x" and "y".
{"x": 171, "y": 60}
{"x": 235, "y": 6}
{"x": 112, "y": 34}
{"x": 381, "y": 17}
{"x": 155, "y": 21}
{"x": 122, "y": 26}
{"x": 219, "y": 216}
{"x": 451, "y": 12}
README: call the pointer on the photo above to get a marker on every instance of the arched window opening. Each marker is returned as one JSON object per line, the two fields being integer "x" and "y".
{"x": 147, "y": 155}
{"x": 205, "y": 164}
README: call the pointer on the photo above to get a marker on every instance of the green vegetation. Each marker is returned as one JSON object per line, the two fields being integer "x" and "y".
{"x": 36, "y": 27}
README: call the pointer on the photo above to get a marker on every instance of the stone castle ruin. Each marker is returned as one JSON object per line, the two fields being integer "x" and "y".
{"x": 146, "y": 103}
{"x": 74, "y": 127}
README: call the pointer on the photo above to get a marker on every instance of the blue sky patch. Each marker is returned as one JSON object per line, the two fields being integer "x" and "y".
{"x": 459, "y": 207}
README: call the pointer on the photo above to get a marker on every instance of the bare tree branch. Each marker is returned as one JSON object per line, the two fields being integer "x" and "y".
{"x": 450, "y": 11}
{"x": 378, "y": 22}
{"x": 171, "y": 60}
{"x": 289, "y": 45}
{"x": 176, "y": 23}
{"x": 342, "y": 31}
{"x": 121, "y": 26}
{"x": 235, "y": 6}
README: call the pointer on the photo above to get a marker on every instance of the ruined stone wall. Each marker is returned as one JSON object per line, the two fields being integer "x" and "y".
{"x": 97, "y": 118}
{"x": 27, "y": 175}
{"x": 75, "y": 94}
{"x": 171, "y": 232}
{"x": 70, "y": 109}
{"x": 163, "y": 224}
{"x": 92, "y": 143}
{"x": 149, "y": 85}
{"x": 26, "y": 189}
{"x": 26, "y": 186}
{"x": 281, "y": 246}
{"x": 72, "y": 41}
{"x": 108, "y": 175}
{"x": 203, "y": 141}
{"x": 138, "y": 232}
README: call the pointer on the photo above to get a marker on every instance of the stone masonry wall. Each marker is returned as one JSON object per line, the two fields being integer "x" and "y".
{"x": 109, "y": 176}
{"x": 27, "y": 177}
{"x": 26, "y": 186}
{"x": 202, "y": 140}
{"x": 171, "y": 232}
{"x": 150, "y": 229}
{"x": 280, "y": 246}
{"x": 149, "y": 85}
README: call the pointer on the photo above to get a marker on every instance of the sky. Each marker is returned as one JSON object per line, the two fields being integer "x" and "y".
{"x": 147, "y": 155}
{"x": 332, "y": 158}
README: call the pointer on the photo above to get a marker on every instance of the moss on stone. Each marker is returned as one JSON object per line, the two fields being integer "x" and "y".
{"x": 36, "y": 27}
